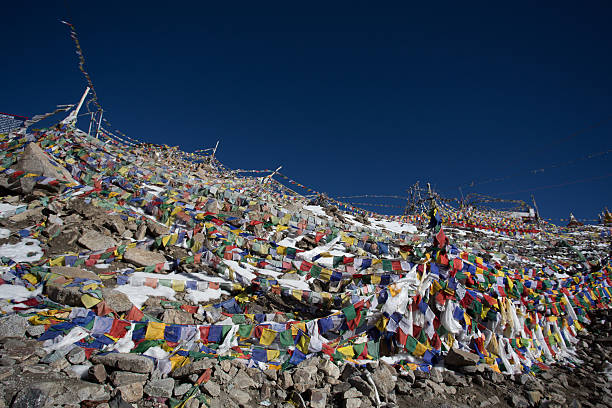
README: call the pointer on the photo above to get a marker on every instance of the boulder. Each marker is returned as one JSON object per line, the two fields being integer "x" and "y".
{"x": 59, "y": 392}
{"x": 35, "y": 160}
{"x": 159, "y": 388}
{"x": 125, "y": 361}
{"x": 116, "y": 300}
{"x": 132, "y": 392}
{"x": 13, "y": 326}
{"x": 460, "y": 358}
{"x": 143, "y": 257}
{"x": 95, "y": 241}
{"x": 157, "y": 229}
{"x": 67, "y": 295}
{"x": 197, "y": 367}
{"x": 176, "y": 316}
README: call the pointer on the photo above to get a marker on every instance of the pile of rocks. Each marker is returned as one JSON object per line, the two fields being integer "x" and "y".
{"x": 122, "y": 240}
{"x": 31, "y": 377}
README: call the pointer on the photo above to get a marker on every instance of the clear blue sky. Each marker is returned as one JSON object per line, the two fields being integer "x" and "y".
{"x": 349, "y": 97}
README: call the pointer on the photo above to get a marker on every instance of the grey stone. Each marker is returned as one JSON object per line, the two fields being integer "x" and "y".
{"x": 76, "y": 355}
{"x": 402, "y": 386}
{"x": 13, "y": 326}
{"x": 95, "y": 241}
{"x": 181, "y": 389}
{"x": 197, "y": 367}
{"x": 518, "y": 401}
{"x": 67, "y": 295}
{"x": 98, "y": 372}
{"x": 534, "y": 397}
{"x": 176, "y": 316}
{"x": 116, "y": 300}
{"x": 318, "y": 398}
{"x": 60, "y": 392}
{"x": 159, "y": 388}
{"x": 143, "y": 257}
{"x": 213, "y": 389}
{"x": 241, "y": 396}
{"x": 141, "y": 232}
{"x": 352, "y": 403}
{"x": 59, "y": 364}
{"x": 157, "y": 229}
{"x": 384, "y": 378}
{"x": 120, "y": 378}
{"x": 330, "y": 369}
{"x": 125, "y": 361}
{"x": 6, "y": 372}
{"x": 460, "y": 358}
{"x": 453, "y": 379}
{"x": 35, "y": 160}
{"x": 242, "y": 380}
{"x": 132, "y": 392}
{"x": 35, "y": 330}
{"x": 436, "y": 376}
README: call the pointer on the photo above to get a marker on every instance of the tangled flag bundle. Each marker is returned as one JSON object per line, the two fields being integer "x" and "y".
{"x": 144, "y": 259}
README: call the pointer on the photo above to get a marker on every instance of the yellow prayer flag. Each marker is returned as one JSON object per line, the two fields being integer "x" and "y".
{"x": 155, "y": 331}
{"x": 419, "y": 350}
{"x": 89, "y": 301}
{"x": 178, "y": 285}
{"x": 267, "y": 337}
{"x": 273, "y": 355}
{"x": 346, "y": 351}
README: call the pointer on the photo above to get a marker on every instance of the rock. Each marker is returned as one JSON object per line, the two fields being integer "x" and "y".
{"x": 518, "y": 402}
{"x": 181, "y": 389}
{"x": 437, "y": 388}
{"x": 6, "y": 372}
{"x": 141, "y": 232}
{"x": 176, "y": 316}
{"x": 157, "y": 229}
{"x": 352, "y": 403}
{"x": 120, "y": 378}
{"x": 27, "y": 214}
{"x": 143, "y": 257}
{"x": 194, "y": 368}
{"x": 241, "y": 396}
{"x": 94, "y": 241}
{"x": 70, "y": 272}
{"x": 330, "y": 369}
{"x": 98, "y": 372}
{"x": 76, "y": 355}
{"x": 35, "y": 331}
{"x": 60, "y": 392}
{"x": 361, "y": 385}
{"x": 35, "y": 160}
{"x": 460, "y": 358}
{"x": 212, "y": 388}
{"x": 436, "y": 376}
{"x": 159, "y": 388}
{"x": 116, "y": 300}
{"x": 453, "y": 379}
{"x": 534, "y": 397}
{"x": 318, "y": 398}
{"x": 13, "y": 326}
{"x": 402, "y": 386}
{"x": 494, "y": 376}
{"x": 80, "y": 371}
{"x": 384, "y": 378}
{"x": 491, "y": 401}
{"x": 304, "y": 378}
{"x": 59, "y": 364}
{"x": 132, "y": 392}
{"x": 242, "y": 380}
{"x": 125, "y": 361}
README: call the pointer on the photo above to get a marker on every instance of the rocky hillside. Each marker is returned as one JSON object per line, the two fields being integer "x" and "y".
{"x": 139, "y": 275}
